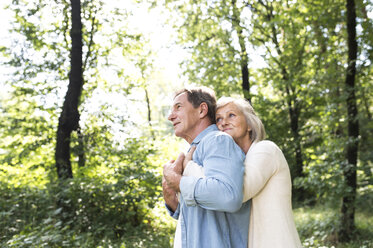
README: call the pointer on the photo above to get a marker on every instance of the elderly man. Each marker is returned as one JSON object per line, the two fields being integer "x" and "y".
{"x": 210, "y": 211}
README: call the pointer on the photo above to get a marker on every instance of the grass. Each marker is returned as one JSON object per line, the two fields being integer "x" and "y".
{"x": 318, "y": 227}
{"x": 28, "y": 218}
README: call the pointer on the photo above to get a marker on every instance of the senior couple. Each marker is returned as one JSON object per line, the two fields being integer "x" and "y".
{"x": 233, "y": 188}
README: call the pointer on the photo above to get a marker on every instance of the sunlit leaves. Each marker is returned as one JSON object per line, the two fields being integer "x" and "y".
{"x": 208, "y": 35}
{"x": 306, "y": 56}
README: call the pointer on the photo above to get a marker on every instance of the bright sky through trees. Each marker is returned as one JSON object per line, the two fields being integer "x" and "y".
{"x": 4, "y": 35}
{"x": 151, "y": 23}
{"x": 166, "y": 55}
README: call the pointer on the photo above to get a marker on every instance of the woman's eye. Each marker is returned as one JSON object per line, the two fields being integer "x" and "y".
{"x": 218, "y": 120}
{"x": 231, "y": 115}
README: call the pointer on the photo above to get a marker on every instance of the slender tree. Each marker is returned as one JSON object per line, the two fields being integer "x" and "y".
{"x": 214, "y": 32}
{"x": 290, "y": 67}
{"x": 244, "y": 61}
{"x": 348, "y": 203}
{"x": 69, "y": 118}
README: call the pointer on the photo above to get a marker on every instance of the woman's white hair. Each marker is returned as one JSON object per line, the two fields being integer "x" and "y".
{"x": 257, "y": 128}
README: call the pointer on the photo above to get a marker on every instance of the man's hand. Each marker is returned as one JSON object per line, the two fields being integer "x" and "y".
{"x": 172, "y": 172}
{"x": 169, "y": 196}
{"x": 189, "y": 156}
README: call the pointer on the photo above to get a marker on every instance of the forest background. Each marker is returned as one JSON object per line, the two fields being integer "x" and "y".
{"x": 87, "y": 85}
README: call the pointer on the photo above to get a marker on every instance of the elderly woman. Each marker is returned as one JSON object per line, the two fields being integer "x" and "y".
{"x": 267, "y": 177}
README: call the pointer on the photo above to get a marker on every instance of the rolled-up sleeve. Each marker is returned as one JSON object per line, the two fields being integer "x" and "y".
{"x": 221, "y": 189}
{"x": 175, "y": 214}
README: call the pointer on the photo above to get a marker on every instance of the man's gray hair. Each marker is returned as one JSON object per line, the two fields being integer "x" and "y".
{"x": 198, "y": 95}
{"x": 257, "y": 128}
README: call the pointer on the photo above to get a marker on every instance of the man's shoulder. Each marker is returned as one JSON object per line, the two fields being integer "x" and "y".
{"x": 218, "y": 141}
{"x": 215, "y": 136}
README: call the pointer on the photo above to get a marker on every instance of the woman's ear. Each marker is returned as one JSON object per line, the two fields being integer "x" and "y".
{"x": 203, "y": 110}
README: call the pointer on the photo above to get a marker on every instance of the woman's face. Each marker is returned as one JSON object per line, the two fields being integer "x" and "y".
{"x": 232, "y": 121}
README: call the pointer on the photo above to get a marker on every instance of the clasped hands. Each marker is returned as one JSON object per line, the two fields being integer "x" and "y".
{"x": 173, "y": 170}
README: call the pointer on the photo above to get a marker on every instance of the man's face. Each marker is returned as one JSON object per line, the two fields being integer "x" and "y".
{"x": 184, "y": 117}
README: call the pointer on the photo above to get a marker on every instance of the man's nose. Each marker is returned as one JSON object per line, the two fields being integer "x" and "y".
{"x": 171, "y": 116}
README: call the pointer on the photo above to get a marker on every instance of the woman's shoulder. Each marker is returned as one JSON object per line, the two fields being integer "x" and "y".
{"x": 264, "y": 145}
{"x": 269, "y": 155}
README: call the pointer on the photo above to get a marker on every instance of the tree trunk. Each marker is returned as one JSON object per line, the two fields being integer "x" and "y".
{"x": 148, "y": 105}
{"x": 81, "y": 150}
{"x": 349, "y": 171}
{"x": 69, "y": 118}
{"x": 294, "y": 123}
{"x": 300, "y": 194}
{"x": 294, "y": 108}
{"x": 149, "y": 112}
{"x": 245, "y": 72}
{"x": 243, "y": 52}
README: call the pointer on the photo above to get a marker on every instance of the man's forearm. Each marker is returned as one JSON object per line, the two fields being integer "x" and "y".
{"x": 171, "y": 202}
{"x": 169, "y": 196}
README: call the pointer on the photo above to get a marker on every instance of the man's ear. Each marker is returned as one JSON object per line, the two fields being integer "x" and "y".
{"x": 203, "y": 110}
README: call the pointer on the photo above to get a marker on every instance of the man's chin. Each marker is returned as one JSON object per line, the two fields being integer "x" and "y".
{"x": 178, "y": 134}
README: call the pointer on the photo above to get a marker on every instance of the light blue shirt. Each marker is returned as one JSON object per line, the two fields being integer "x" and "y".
{"x": 213, "y": 214}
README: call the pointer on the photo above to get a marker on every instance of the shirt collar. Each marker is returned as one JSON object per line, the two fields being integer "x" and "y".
{"x": 202, "y": 134}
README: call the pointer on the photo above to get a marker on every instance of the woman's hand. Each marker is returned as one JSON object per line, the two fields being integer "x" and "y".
{"x": 188, "y": 156}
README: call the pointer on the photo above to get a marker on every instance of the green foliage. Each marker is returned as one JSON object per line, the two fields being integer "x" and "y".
{"x": 27, "y": 134}
{"x": 300, "y": 93}
{"x": 20, "y": 206}
{"x": 318, "y": 227}
{"x": 51, "y": 231}
{"x": 207, "y": 32}
{"x": 114, "y": 199}
{"x": 118, "y": 206}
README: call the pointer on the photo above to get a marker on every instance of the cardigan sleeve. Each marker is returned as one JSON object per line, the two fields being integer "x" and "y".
{"x": 260, "y": 165}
